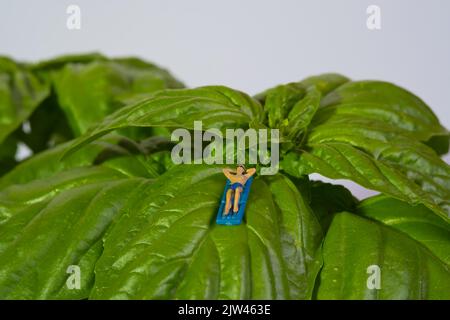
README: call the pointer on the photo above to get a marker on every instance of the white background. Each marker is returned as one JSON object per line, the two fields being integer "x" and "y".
{"x": 249, "y": 44}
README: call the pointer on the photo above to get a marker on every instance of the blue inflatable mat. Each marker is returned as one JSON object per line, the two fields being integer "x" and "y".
{"x": 233, "y": 218}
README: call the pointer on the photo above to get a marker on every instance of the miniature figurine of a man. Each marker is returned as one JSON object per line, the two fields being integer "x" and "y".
{"x": 237, "y": 180}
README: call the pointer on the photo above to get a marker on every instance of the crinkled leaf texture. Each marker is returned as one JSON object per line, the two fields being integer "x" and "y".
{"x": 48, "y": 103}
{"x": 20, "y": 93}
{"x": 48, "y": 162}
{"x": 155, "y": 239}
{"x": 216, "y": 106}
{"x": 146, "y": 159}
{"x": 356, "y": 250}
{"x": 291, "y": 107}
{"x": 418, "y": 222}
{"x": 89, "y": 92}
{"x": 45, "y": 231}
{"x": 139, "y": 232}
{"x": 376, "y": 134}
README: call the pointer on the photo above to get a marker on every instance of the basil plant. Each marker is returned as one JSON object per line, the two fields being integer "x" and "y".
{"x": 98, "y": 210}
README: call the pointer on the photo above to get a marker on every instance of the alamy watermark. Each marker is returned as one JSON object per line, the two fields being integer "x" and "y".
{"x": 373, "y": 21}
{"x": 73, "y": 21}
{"x": 237, "y": 146}
{"x": 74, "y": 279}
{"x": 374, "y": 280}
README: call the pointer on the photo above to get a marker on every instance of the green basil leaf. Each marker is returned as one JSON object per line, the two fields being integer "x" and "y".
{"x": 168, "y": 226}
{"x": 48, "y": 126}
{"x": 418, "y": 222}
{"x": 379, "y": 105}
{"x": 337, "y": 160}
{"x": 407, "y": 270}
{"x": 301, "y": 236}
{"x": 166, "y": 243}
{"x": 326, "y": 82}
{"x": 372, "y": 133}
{"x": 145, "y": 74}
{"x": 413, "y": 159}
{"x": 15, "y": 197}
{"x": 328, "y": 199}
{"x": 217, "y": 107}
{"x": 49, "y": 162}
{"x": 439, "y": 143}
{"x": 44, "y": 68}
{"x": 302, "y": 113}
{"x": 280, "y": 100}
{"x": 148, "y": 159}
{"x": 20, "y": 94}
{"x": 8, "y": 150}
{"x": 141, "y": 165}
{"x": 89, "y": 92}
{"x": 48, "y": 231}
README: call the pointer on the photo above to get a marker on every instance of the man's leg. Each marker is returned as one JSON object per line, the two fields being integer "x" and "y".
{"x": 226, "y": 211}
{"x": 237, "y": 195}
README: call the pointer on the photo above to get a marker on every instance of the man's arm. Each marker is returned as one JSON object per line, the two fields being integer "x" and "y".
{"x": 227, "y": 172}
{"x": 250, "y": 172}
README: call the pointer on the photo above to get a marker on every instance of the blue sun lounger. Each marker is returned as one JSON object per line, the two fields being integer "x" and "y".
{"x": 233, "y": 218}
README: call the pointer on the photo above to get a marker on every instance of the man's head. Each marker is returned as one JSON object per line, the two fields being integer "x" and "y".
{"x": 240, "y": 169}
